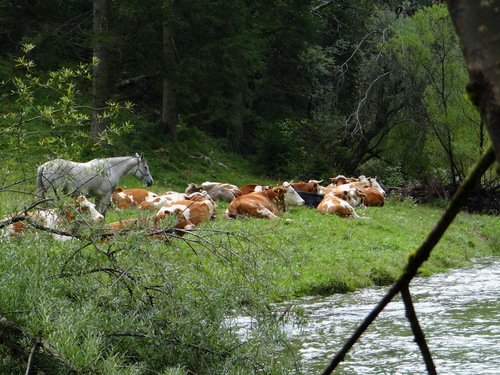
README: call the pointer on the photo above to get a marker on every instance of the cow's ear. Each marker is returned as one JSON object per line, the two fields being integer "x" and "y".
{"x": 118, "y": 190}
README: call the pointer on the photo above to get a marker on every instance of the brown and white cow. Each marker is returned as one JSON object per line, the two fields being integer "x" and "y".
{"x": 347, "y": 192}
{"x": 217, "y": 190}
{"x": 184, "y": 215}
{"x": 187, "y": 213}
{"x": 159, "y": 201}
{"x": 268, "y": 204}
{"x": 341, "y": 180}
{"x": 361, "y": 182}
{"x": 57, "y": 219}
{"x": 331, "y": 204}
{"x": 372, "y": 197}
{"x": 128, "y": 198}
{"x": 171, "y": 197}
{"x": 252, "y": 188}
{"x": 312, "y": 186}
{"x": 375, "y": 184}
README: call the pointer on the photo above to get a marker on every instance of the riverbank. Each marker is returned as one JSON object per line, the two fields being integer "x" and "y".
{"x": 92, "y": 298}
{"x": 309, "y": 253}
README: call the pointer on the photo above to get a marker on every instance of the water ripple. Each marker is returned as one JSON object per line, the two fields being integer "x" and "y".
{"x": 458, "y": 311}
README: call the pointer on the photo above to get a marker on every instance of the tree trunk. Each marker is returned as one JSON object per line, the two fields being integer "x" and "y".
{"x": 476, "y": 24}
{"x": 235, "y": 126}
{"x": 100, "y": 84}
{"x": 169, "y": 103}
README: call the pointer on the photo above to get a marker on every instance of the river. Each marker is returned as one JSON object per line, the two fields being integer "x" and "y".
{"x": 459, "y": 312}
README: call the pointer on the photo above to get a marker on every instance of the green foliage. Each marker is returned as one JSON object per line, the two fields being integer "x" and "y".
{"x": 282, "y": 80}
{"x": 141, "y": 304}
{"x": 293, "y": 149}
{"x": 427, "y": 51}
{"x": 46, "y": 111}
{"x": 391, "y": 175}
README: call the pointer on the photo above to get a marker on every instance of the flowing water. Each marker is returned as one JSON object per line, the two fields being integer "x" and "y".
{"x": 459, "y": 313}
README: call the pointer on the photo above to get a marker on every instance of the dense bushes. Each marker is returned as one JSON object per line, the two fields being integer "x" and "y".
{"x": 140, "y": 305}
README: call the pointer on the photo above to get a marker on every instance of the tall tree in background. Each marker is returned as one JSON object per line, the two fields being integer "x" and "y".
{"x": 169, "y": 101}
{"x": 425, "y": 48}
{"x": 100, "y": 81}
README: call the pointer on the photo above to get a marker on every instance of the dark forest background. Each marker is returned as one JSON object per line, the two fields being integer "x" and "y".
{"x": 305, "y": 89}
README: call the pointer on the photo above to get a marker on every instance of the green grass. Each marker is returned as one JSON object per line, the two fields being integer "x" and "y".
{"x": 324, "y": 254}
{"x": 172, "y": 295}
{"x": 315, "y": 253}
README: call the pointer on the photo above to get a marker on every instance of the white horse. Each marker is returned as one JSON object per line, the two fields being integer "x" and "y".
{"x": 97, "y": 178}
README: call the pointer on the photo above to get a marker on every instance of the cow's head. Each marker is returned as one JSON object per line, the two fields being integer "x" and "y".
{"x": 292, "y": 198}
{"x": 83, "y": 205}
{"x": 180, "y": 213}
{"x": 374, "y": 183}
{"x": 353, "y": 196}
{"x": 339, "y": 180}
{"x": 192, "y": 188}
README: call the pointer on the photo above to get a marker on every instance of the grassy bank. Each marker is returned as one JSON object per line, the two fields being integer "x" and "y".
{"x": 135, "y": 305}
{"x": 324, "y": 254}
{"x": 307, "y": 252}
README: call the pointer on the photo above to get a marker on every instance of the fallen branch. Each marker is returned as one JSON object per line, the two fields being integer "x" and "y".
{"x": 30, "y": 358}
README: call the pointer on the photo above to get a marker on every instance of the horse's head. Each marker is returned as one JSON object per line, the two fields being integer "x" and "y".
{"x": 142, "y": 170}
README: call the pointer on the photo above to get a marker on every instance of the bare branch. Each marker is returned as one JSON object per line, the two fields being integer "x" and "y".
{"x": 358, "y": 127}
{"x": 344, "y": 67}
{"x": 12, "y": 335}
{"x": 30, "y": 358}
{"x": 417, "y": 330}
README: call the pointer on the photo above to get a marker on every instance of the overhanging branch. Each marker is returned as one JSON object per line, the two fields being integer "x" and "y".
{"x": 421, "y": 255}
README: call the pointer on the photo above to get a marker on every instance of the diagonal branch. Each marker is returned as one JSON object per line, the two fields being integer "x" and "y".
{"x": 417, "y": 330}
{"x": 421, "y": 255}
{"x": 31, "y": 356}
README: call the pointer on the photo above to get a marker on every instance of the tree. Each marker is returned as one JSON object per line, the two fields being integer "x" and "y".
{"x": 426, "y": 50}
{"x": 100, "y": 81}
{"x": 476, "y": 24}
{"x": 169, "y": 102}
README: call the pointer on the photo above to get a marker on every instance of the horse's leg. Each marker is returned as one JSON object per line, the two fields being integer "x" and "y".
{"x": 102, "y": 204}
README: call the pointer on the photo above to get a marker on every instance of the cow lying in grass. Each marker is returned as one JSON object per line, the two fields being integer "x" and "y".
{"x": 332, "y": 204}
{"x": 217, "y": 191}
{"x": 268, "y": 204}
{"x": 127, "y": 198}
{"x": 188, "y": 213}
{"x": 170, "y": 197}
{"x": 63, "y": 220}
{"x": 183, "y": 215}
{"x": 373, "y": 193}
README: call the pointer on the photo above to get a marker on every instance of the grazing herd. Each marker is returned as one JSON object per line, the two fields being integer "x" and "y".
{"x": 181, "y": 211}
